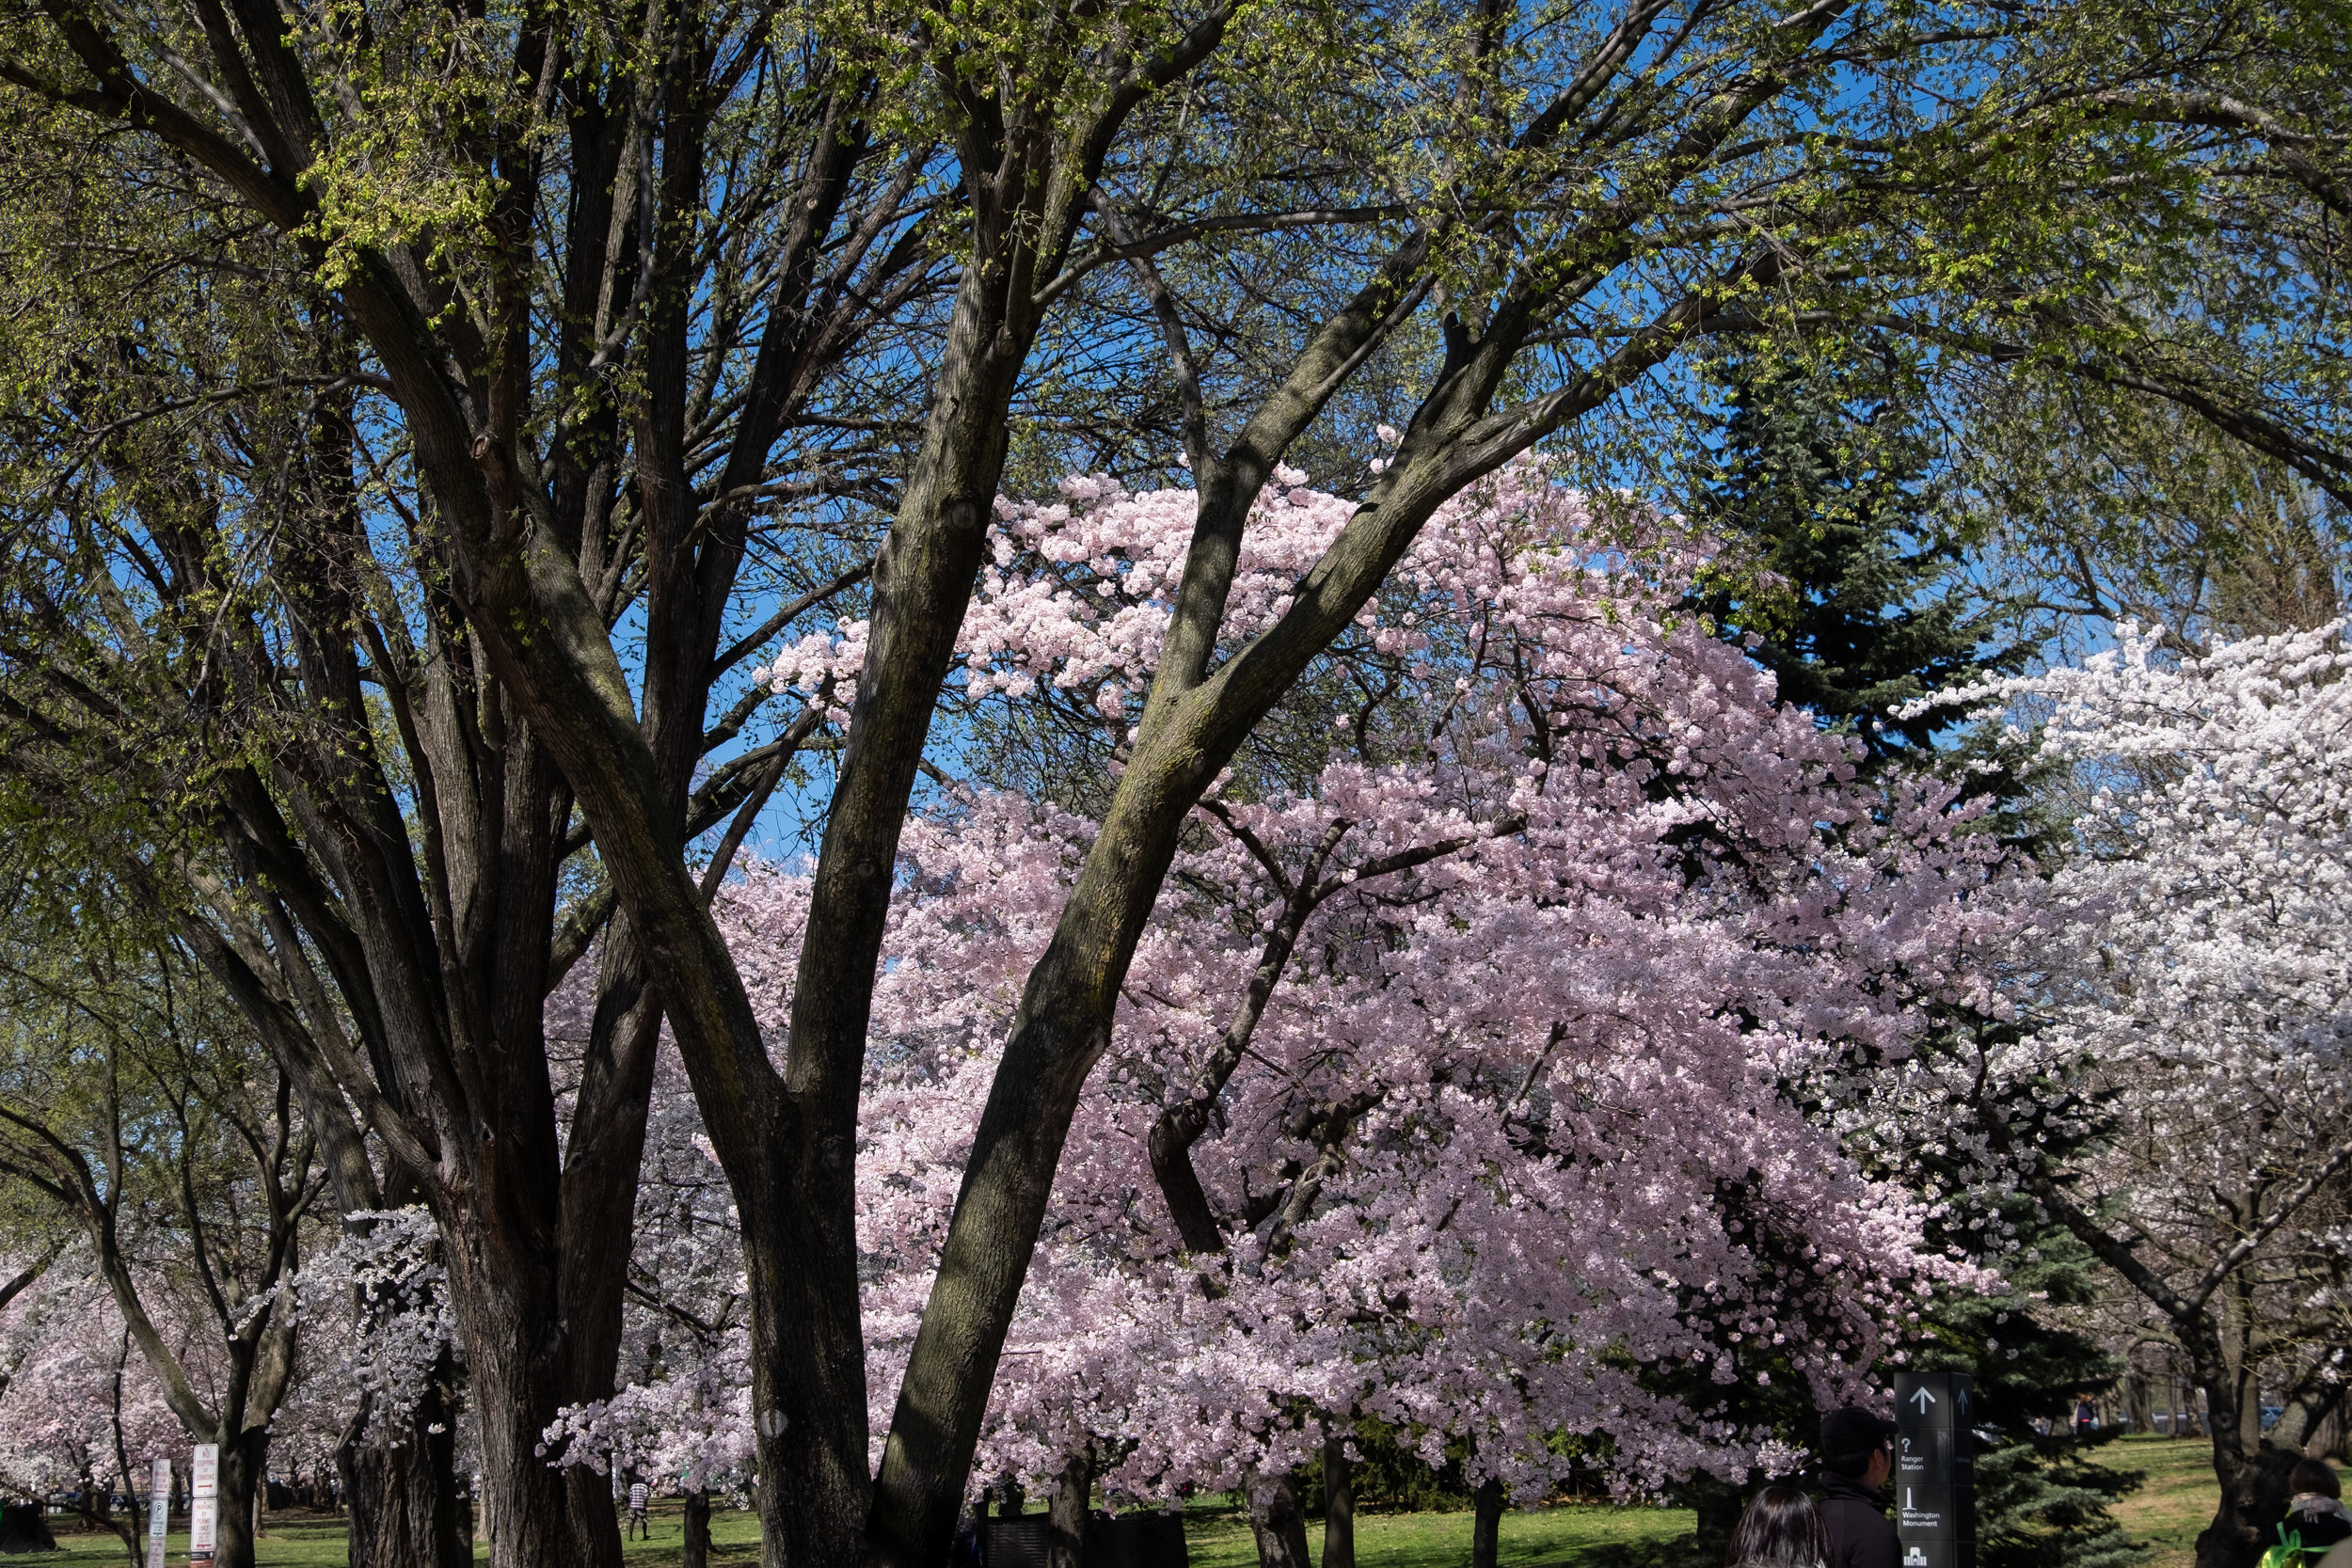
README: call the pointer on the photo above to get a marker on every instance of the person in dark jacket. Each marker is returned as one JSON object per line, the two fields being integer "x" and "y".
{"x": 1857, "y": 1456}
{"x": 2316, "y": 1516}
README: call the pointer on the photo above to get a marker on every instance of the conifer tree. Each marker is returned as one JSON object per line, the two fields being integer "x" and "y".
{"x": 1854, "y": 591}
{"x": 2042, "y": 1501}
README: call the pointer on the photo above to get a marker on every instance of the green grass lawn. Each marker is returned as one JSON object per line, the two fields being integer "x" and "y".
{"x": 1587, "y": 1537}
{"x": 1583, "y": 1535}
{"x": 294, "y": 1541}
{"x": 2178, "y": 1499}
{"x": 2176, "y": 1503}
{"x": 299, "y": 1540}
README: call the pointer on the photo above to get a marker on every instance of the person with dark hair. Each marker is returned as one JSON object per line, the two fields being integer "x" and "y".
{"x": 2315, "y": 1515}
{"x": 1857, "y": 1456}
{"x": 1781, "y": 1530}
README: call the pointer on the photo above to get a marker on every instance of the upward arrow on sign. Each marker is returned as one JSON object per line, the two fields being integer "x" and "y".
{"x": 1923, "y": 1398}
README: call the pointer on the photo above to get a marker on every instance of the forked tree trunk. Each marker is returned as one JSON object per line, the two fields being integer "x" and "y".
{"x": 1338, "y": 1501}
{"x": 1486, "y": 1525}
{"x": 1277, "y": 1521}
{"x": 2253, "y": 1500}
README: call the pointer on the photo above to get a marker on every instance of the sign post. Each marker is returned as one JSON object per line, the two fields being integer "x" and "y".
{"x": 203, "y": 1506}
{"x": 1935, "y": 1471}
{"x": 158, "y": 1511}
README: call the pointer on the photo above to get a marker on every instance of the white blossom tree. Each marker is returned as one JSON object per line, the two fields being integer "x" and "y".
{"x": 2175, "y": 1092}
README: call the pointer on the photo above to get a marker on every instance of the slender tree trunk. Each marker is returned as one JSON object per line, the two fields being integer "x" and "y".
{"x": 1278, "y": 1522}
{"x": 1066, "y": 1547}
{"x": 1338, "y": 1501}
{"x": 1486, "y": 1525}
{"x": 697, "y": 1550}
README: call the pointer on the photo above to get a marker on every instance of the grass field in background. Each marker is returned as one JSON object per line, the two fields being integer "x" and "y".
{"x": 1575, "y": 1535}
{"x": 2176, "y": 1503}
{"x": 1218, "y": 1537}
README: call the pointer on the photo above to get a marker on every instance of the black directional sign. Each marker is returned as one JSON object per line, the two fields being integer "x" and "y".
{"x": 1935, "y": 1472}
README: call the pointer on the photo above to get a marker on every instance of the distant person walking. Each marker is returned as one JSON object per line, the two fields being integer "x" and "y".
{"x": 2086, "y": 1417}
{"x": 1781, "y": 1530}
{"x": 639, "y": 1495}
{"x": 1857, "y": 1456}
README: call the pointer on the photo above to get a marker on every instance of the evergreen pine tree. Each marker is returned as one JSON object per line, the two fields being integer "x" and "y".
{"x": 1853, "y": 593}
{"x": 2042, "y": 1500}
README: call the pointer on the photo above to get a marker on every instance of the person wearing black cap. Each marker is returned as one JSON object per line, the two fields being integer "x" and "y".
{"x": 1857, "y": 1456}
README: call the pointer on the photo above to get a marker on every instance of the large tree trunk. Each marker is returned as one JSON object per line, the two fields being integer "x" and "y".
{"x": 1277, "y": 1521}
{"x": 2250, "y": 1465}
{"x": 242, "y": 1459}
{"x": 1338, "y": 1501}
{"x": 1066, "y": 1547}
{"x": 1486, "y": 1525}
{"x": 504, "y": 1290}
{"x": 808, "y": 1353}
{"x": 402, "y": 1495}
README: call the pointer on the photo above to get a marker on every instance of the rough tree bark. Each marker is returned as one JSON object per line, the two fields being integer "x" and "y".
{"x": 1277, "y": 1520}
{"x": 403, "y": 1495}
{"x": 1067, "y": 1518}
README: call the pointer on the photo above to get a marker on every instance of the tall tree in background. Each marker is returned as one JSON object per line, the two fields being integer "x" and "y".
{"x": 2173, "y": 1090}
{"x": 1855, "y": 590}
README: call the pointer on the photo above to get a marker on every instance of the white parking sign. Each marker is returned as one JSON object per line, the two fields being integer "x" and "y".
{"x": 203, "y": 1504}
{"x": 158, "y": 1511}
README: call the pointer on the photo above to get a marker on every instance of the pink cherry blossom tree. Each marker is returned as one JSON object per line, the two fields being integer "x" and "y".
{"x": 1454, "y": 1082}
{"x": 81, "y": 1409}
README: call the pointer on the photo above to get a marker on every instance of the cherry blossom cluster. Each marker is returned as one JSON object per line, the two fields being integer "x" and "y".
{"x": 76, "y": 1396}
{"x": 2180, "y": 979}
{"x": 1574, "y": 939}
{"x": 375, "y": 1318}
